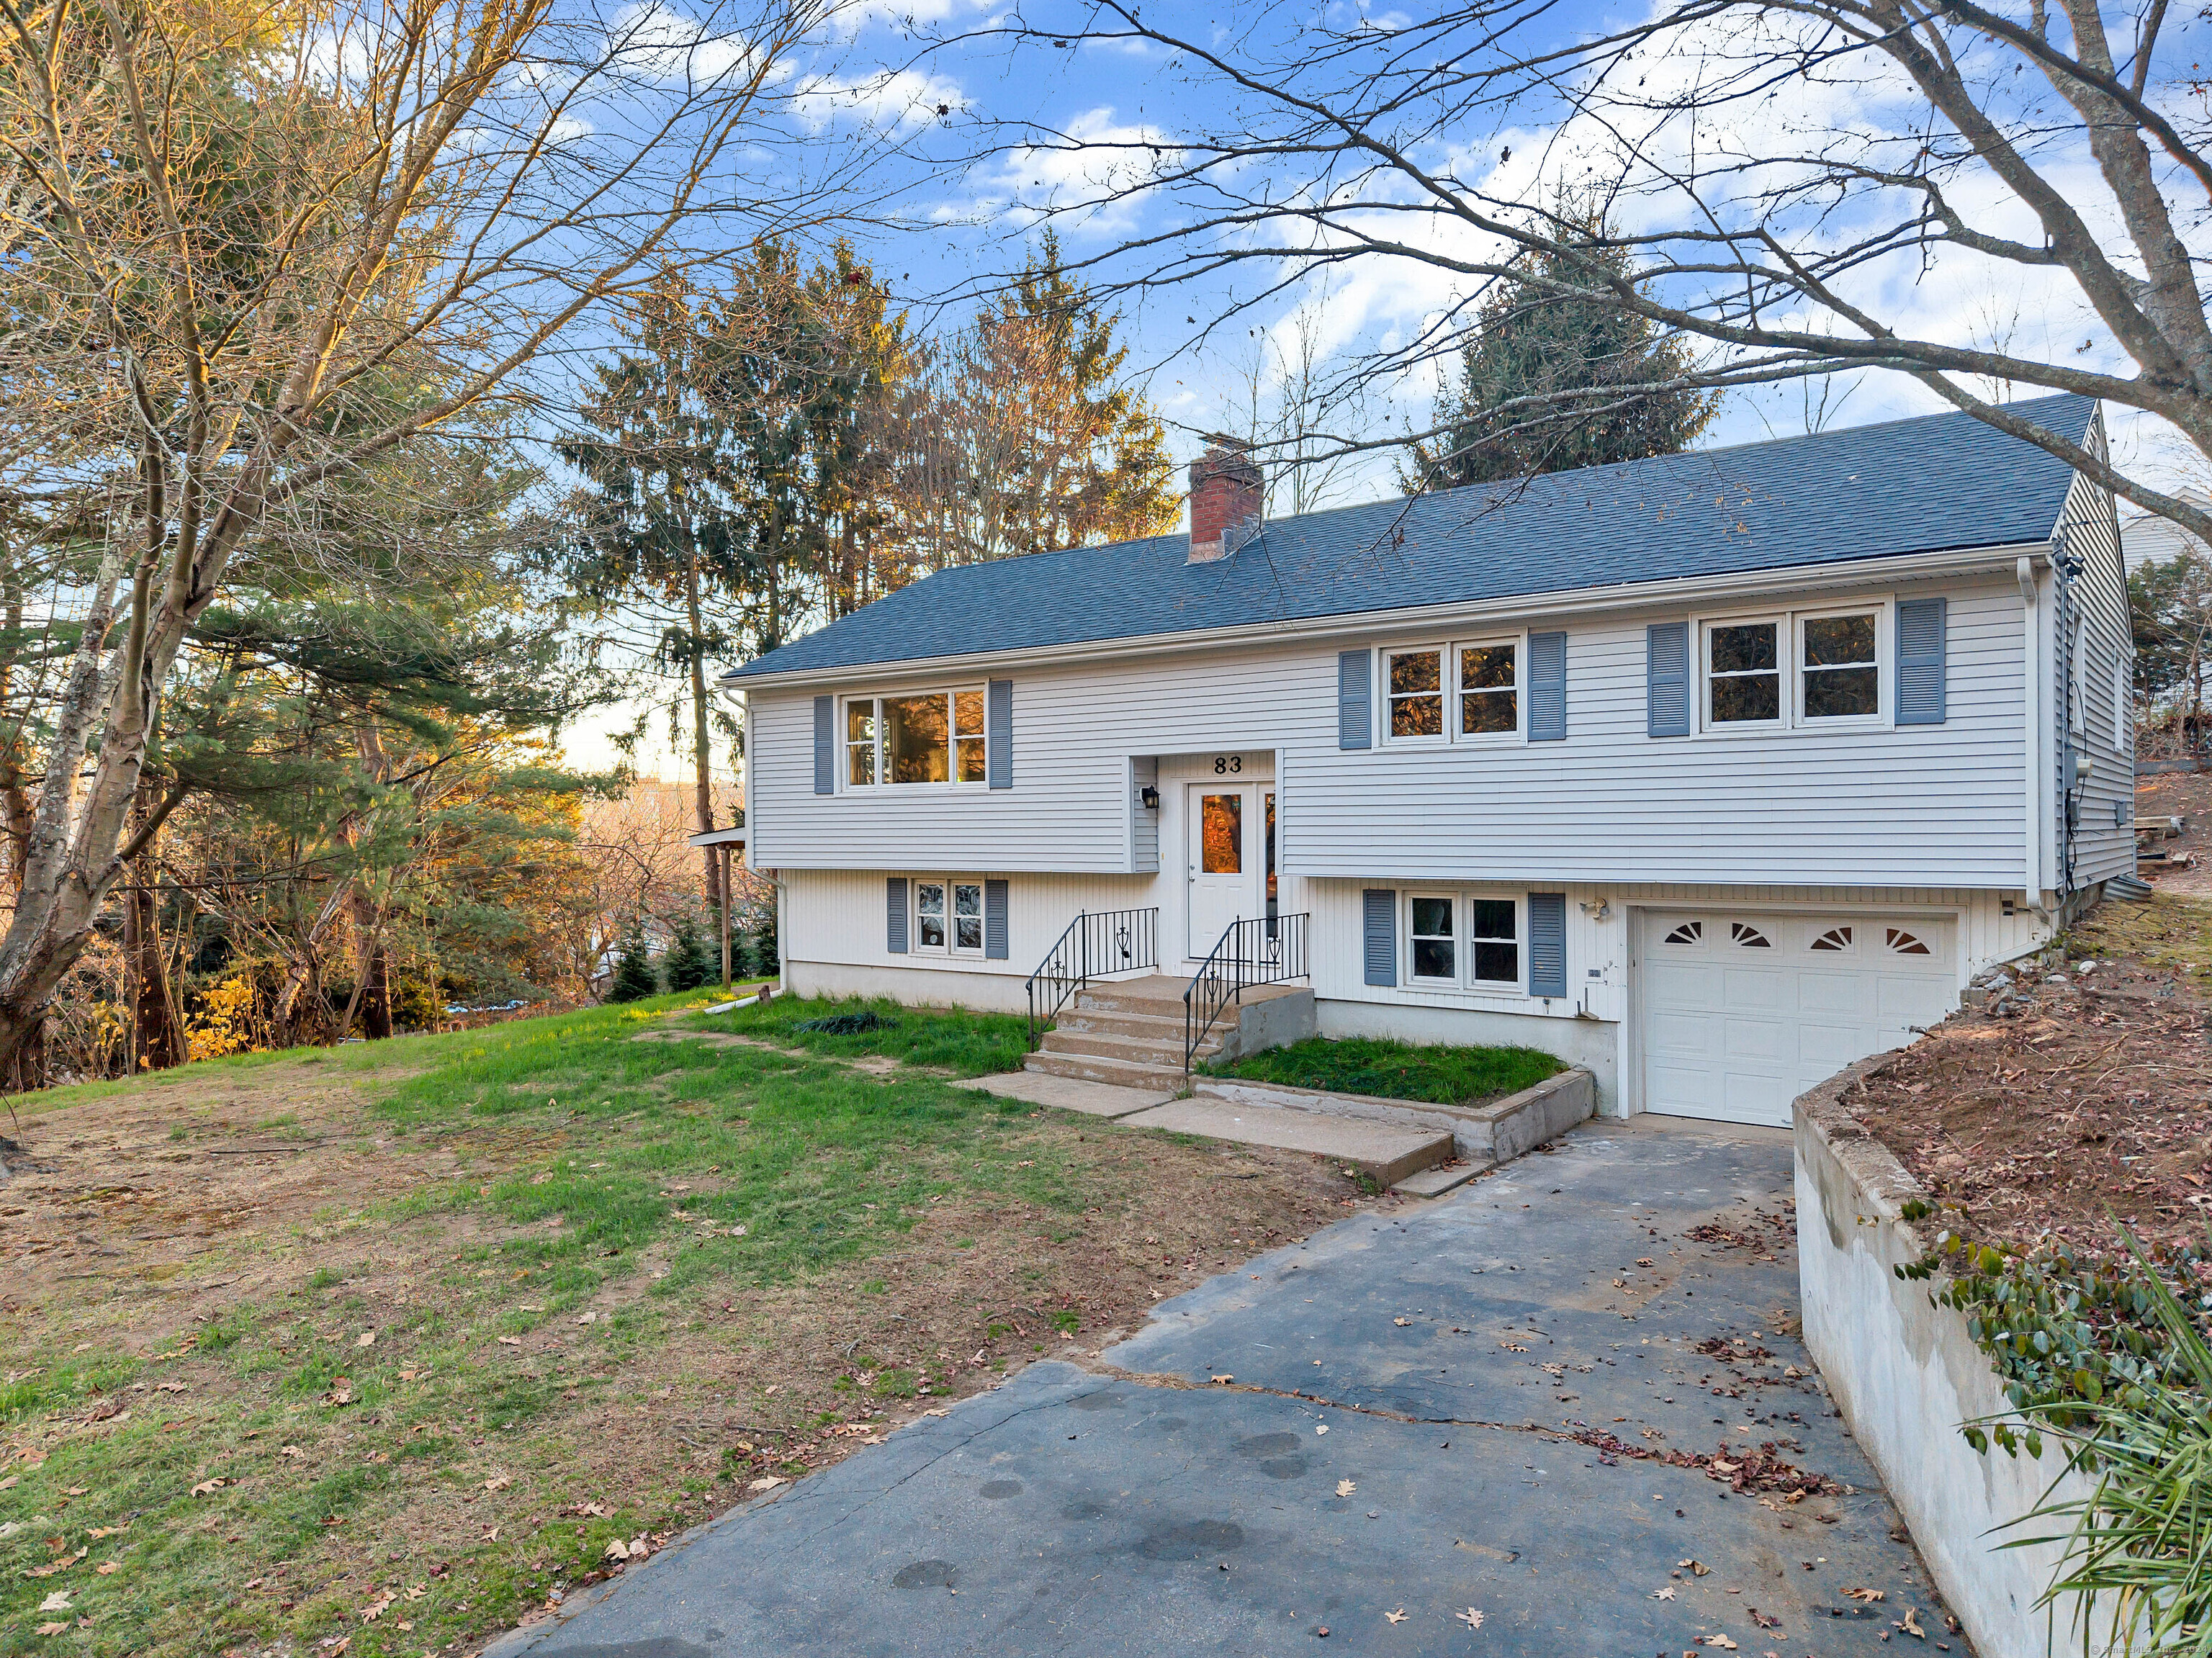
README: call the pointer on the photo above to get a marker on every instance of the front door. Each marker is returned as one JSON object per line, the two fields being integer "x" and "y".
{"x": 1223, "y": 873}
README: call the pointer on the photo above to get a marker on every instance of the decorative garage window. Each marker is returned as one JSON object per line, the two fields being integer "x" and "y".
{"x": 1470, "y": 941}
{"x": 933, "y": 738}
{"x": 1436, "y": 941}
{"x": 1747, "y": 936}
{"x": 1902, "y": 943}
{"x": 948, "y": 916}
{"x": 1835, "y": 939}
{"x": 1690, "y": 932}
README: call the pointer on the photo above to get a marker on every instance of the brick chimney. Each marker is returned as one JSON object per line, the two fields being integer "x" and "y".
{"x": 1225, "y": 500}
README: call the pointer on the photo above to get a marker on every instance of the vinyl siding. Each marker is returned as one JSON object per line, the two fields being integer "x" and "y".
{"x": 2102, "y": 848}
{"x": 1925, "y": 806}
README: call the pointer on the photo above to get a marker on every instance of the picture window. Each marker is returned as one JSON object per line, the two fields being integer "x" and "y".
{"x": 934, "y": 737}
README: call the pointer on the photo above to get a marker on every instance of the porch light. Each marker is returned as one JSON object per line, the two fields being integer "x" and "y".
{"x": 1150, "y": 797}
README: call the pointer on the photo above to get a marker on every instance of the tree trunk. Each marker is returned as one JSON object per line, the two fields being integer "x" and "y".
{"x": 159, "y": 1042}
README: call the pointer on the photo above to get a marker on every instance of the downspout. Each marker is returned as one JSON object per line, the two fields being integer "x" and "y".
{"x": 2071, "y": 771}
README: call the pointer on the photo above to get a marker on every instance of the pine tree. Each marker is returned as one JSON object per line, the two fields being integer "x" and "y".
{"x": 688, "y": 965}
{"x": 634, "y": 976}
{"x": 1577, "y": 359}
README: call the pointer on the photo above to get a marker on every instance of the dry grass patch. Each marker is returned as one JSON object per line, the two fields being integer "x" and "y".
{"x": 396, "y": 1344}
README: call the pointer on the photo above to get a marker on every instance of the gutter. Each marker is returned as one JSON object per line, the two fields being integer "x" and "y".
{"x": 1861, "y": 573}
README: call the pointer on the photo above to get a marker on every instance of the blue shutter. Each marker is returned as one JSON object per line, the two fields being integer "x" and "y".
{"x": 1666, "y": 678}
{"x": 1355, "y": 697}
{"x": 895, "y": 915}
{"x": 1920, "y": 652}
{"x": 1547, "y": 687}
{"x": 1379, "y": 916}
{"x": 998, "y": 734}
{"x": 825, "y": 746}
{"x": 1547, "y": 944}
{"x": 994, "y": 918}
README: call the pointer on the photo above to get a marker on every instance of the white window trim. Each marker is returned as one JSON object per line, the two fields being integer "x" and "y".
{"x": 1790, "y": 638}
{"x": 951, "y": 948}
{"x": 953, "y": 739}
{"x": 1464, "y": 983}
{"x": 1447, "y": 663}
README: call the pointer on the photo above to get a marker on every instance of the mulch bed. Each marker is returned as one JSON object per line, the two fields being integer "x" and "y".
{"x": 2071, "y": 1099}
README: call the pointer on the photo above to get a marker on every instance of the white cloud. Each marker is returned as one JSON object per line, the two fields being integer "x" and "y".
{"x": 1092, "y": 177}
{"x": 654, "y": 39}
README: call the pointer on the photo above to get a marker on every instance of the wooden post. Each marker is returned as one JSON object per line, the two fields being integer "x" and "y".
{"x": 724, "y": 884}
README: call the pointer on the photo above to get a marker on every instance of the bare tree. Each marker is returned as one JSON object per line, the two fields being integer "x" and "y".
{"x": 254, "y": 247}
{"x": 1299, "y": 407}
{"x": 1806, "y": 186}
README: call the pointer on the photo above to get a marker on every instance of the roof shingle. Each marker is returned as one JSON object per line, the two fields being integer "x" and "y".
{"x": 1932, "y": 483}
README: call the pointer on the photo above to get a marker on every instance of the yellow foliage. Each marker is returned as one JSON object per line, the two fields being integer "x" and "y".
{"x": 224, "y": 1024}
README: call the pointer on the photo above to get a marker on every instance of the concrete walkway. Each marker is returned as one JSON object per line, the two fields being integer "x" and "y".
{"x": 1392, "y": 1463}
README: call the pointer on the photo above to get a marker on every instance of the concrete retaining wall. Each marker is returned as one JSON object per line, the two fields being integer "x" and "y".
{"x": 1905, "y": 1374}
{"x": 1496, "y": 1132}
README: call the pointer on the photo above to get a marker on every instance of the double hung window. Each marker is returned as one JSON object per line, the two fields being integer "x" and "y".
{"x": 1470, "y": 941}
{"x": 1463, "y": 692}
{"x": 935, "y": 736}
{"x": 1792, "y": 670}
{"x": 948, "y": 916}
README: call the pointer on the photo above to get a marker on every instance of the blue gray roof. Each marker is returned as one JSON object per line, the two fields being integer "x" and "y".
{"x": 1934, "y": 483}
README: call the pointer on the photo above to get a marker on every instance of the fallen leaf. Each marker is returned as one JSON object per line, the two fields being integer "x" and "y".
{"x": 366, "y": 1338}
{"x": 290, "y": 1450}
{"x": 57, "y": 1601}
{"x": 108, "y": 1568}
{"x": 51, "y": 1629}
{"x": 162, "y": 1388}
{"x": 510, "y": 1341}
{"x": 9, "y": 1483}
{"x": 1402, "y": 1321}
{"x": 1666, "y": 1594}
{"x": 1513, "y": 1347}
{"x": 1643, "y": 1260}
{"x": 1720, "y": 1641}
{"x": 587, "y": 1318}
{"x": 58, "y": 1565}
{"x": 376, "y": 1608}
{"x": 767, "y": 1484}
{"x": 1472, "y": 1618}
{"x": 1346, "y": 1487}
{"x": 1911, "y": 1625}
{"x": 1397, "y": 1616}
{"x": 206, "y": 1486}
{"x": 1695, "y": 1568}
{"x": 498, "y": 1483}
{"x": 109, "y": 1530}
{"x": 1762, "y": 1619}
{"x": 1323, "y": 1429}
{"x": 1224, "y": 1380}
{"x": 1868, "y": 1595}
{"x": 619, "y": 1550}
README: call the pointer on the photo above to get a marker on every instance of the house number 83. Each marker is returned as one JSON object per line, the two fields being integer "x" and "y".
{"x": 1223, "y": 765}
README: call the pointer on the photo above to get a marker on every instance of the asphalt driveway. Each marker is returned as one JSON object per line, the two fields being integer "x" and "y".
{"x": 1392, "y": 1470}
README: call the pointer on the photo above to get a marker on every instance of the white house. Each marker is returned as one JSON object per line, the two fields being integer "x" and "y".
{"x": 1710, "y": 772}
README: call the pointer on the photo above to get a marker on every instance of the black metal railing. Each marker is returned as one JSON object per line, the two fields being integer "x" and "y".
{"x": 1264, "y": 951}
{"x": 1096, "y": 943}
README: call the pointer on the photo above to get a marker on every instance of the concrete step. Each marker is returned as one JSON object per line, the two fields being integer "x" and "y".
{"x": 1099, "y": 1068}
{"x": 1161, "y": 996}
{"x": 1384, "y": 1152}
{"x": 1165, "y": 1049}
{"x": 1443, "y": 1178}
{"x": 1079, "y": 1017}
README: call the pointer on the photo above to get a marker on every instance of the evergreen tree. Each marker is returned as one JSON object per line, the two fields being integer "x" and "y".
{"x": 634, "y": 977}
{"x": 1545, "y": 380}
{"x": 688, "y": 964}
{"x": 762, "y": 957}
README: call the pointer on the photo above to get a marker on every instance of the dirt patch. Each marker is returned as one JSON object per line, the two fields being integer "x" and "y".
{"x": 2071, "y": 1098}
{"x": 2188, "y": 796}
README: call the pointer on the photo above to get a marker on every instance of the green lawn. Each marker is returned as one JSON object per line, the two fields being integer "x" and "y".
{"x": 548, "y": 1288}
{"x": 1398, "y": 1070}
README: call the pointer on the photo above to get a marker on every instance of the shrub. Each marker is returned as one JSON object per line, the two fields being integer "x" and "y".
{"x": 688, "y": 965}
{"x": 635, "y": 978}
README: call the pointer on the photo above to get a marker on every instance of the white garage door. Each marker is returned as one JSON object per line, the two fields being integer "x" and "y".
{"x": 1742, "y": 1013}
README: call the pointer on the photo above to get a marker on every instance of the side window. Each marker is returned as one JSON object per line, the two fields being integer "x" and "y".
{"x": 929, "y": 914}
{"x": 1436, "y": 942}
{"x": 1493, "y": 941}
{"x": 861, "y": 741}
